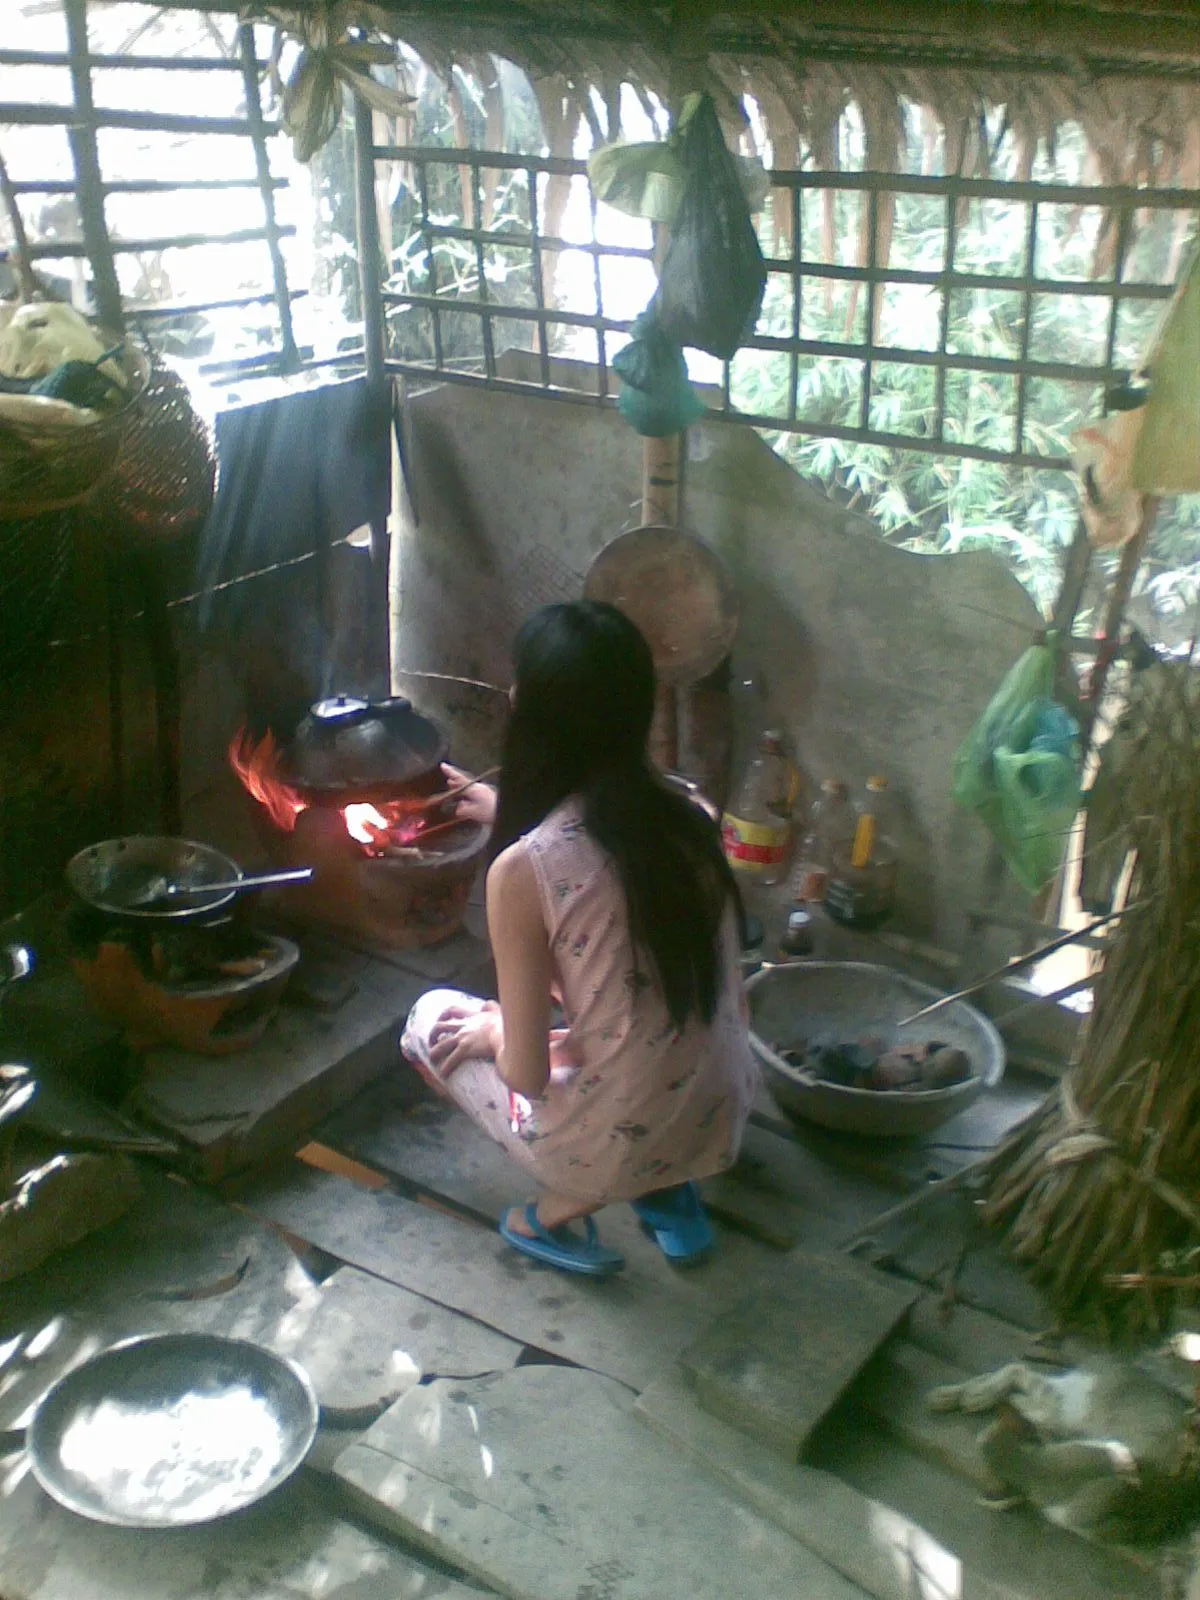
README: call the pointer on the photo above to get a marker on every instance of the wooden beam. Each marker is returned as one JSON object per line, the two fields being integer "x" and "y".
{"x": 998, "y": 33}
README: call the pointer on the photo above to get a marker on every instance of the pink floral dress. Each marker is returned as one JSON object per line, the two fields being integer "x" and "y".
{"x": 650, "y": 1105}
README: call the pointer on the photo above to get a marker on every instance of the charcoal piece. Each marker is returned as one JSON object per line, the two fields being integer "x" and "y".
{"x": 945, "y": 1067}
{"x": 896, "y": 1069}
{"x": 848, "y": 1065}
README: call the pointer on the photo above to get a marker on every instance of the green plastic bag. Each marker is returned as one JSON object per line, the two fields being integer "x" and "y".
{"x": 656, "y": 396}
{"x": 648, "y": 180}
{"x": 1019, "y": 770}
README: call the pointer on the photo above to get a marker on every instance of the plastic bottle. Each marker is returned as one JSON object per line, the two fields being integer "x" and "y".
{"x": 862, "y": 880}
{"x": 831, "y": 825}
{"x": 798, "y": 939}
{"x": 757, "y": 827}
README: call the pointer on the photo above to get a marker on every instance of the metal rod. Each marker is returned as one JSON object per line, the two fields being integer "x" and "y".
{"x": 30, "y": 115}
{"x": 124, "y": 247}
{"x": 797, "y": 271}
{"x": 253, "y": 880}
{"x": 489, "y": 352}
{"x": 1062, "y": 372}
{"x": 289, "y": 358}
{"x": 816, "y": 430}
{"x": 539, "y": 287}
{"x": 370, "y": 253}
{"x": 824, "y": 178}
{"x": 82, "y": 136}
{"x": 868, "y": 370}
{"x": 1053, "y": 998}
{"x": 430, "y": 264}
{"x": 1018, "y": 964}
{"x": 948, "y": 286}
{"x": 1026, "y": 329}
{"x": 145, "y": 185}
{"x": 188, "y": 308}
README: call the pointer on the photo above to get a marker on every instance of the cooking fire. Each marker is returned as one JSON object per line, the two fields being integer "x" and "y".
{"x": 397, "y": 828}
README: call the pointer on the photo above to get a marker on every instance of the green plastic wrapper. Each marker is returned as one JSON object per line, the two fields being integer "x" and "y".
{"x": 1019, "y": 770}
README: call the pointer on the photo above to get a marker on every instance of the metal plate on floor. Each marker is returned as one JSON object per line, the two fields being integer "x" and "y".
{"x": 171, "y": 1430}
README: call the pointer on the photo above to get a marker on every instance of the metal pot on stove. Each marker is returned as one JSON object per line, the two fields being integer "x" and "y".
{"x": 345, "y": 748}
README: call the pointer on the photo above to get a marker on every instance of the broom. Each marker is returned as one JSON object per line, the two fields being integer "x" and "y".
{"x": 1098, "y": 1193}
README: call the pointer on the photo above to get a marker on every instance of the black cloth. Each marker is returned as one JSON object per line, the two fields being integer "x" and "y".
{"x": 294, "y": 475}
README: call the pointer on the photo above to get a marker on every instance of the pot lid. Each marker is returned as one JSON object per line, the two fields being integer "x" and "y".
{"x": 346, "y": 744}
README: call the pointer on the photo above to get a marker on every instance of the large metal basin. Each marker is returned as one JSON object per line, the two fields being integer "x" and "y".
{"x": 827, "y": 1002}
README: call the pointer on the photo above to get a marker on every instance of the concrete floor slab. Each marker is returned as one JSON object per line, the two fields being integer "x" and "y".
{"x": 292, "y": 1547}
{"x": 780, "y": 1361}
{"x": 884, "y": 1552}
{"x": 542, "y": 1483}
{"x": 625, "y": 1326}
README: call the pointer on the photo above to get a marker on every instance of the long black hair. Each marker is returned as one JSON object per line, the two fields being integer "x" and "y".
{"x": 580, "y": 723}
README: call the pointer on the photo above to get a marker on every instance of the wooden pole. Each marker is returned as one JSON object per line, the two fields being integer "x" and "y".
{"x": 89, "y": 183}
{"x": 1118, "y": 599}
{"x": 26, "y": 282}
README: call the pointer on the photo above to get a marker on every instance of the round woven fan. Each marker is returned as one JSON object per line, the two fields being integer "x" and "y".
{"x": 678, "y": 592}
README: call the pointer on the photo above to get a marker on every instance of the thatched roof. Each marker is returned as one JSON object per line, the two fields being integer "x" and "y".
{"x": 1126, "y": 71}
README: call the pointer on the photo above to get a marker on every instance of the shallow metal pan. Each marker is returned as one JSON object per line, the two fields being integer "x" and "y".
{"x": 171, "y": 1430}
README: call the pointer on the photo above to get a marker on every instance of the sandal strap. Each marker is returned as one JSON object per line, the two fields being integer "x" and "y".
{"x": 538, "y": 1227}
{"x": 547, "y": 1236}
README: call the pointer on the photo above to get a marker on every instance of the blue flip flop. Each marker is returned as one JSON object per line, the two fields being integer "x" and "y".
{"x": 679, "y": 1224}
{"x": 559, "y": 1247}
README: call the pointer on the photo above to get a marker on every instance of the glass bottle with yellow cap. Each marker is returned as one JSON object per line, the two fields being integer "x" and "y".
{"x": 862, "y": 878}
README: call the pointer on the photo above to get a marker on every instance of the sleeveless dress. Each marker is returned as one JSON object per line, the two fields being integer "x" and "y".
{"x": 649, "y": 1105}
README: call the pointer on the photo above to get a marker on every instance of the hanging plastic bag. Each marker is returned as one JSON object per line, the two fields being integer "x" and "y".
{"x": 1166, "y": 457}
{"x": 643, "y": 180}
{"x": 656, "y": 396}
{"x": 646, "y": 180}
{"x": 712, "y": 282}
{"x": 1019, "y": 770}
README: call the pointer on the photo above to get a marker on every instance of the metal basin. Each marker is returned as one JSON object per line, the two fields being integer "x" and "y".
{"x": 171, "y": 1430}
{"x": 827, "y": 1002}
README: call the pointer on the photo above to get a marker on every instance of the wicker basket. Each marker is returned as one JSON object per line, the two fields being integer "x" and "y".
{"x": 161, "y": 484}
{"x": 47, "y": 467}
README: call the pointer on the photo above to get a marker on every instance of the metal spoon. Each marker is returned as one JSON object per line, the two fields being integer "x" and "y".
{"x": 160, "y": 889}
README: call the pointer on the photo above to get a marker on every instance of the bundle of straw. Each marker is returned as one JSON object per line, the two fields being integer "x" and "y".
{"x": 1099, "y": 1191}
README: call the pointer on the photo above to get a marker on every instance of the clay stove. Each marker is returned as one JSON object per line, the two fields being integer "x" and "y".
{"x": 193, "y": 972}
{"x": 358, "y": 794}
{"x": 211, "y": 990}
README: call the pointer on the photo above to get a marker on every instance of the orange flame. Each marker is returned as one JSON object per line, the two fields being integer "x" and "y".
{"x": 401, "y": 822}
{"x": 257, "y": 765}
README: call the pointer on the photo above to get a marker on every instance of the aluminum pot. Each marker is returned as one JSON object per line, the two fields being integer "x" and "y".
{"x": 117, "y": 875}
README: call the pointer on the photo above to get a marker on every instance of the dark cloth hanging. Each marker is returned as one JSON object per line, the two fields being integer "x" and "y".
{"x": 294, "y": 475}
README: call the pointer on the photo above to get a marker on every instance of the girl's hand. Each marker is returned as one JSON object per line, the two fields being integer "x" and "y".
{"x": 475, "y": 804}
{"x": 563, "y": 1055}
{"x": 460, "y": 1035}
